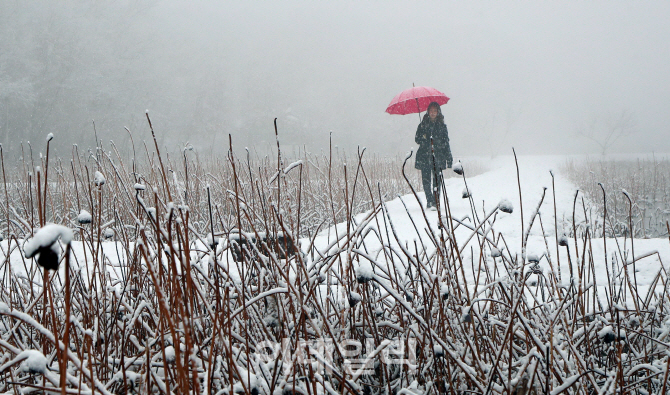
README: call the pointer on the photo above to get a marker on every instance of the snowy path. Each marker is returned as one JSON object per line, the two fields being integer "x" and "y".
{"x": 487, "y": 190}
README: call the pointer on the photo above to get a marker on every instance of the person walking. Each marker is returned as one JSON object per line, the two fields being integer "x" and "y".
{"x": 432, "y": 127}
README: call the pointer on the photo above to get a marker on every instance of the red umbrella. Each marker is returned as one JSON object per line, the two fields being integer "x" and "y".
{"x": 416, "y": 100}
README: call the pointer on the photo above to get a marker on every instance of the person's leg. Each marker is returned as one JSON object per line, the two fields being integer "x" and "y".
{"x": 426, "y": 176}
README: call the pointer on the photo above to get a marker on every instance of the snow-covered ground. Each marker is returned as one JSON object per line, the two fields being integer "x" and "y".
{"x": 419, "y": 275}
{"x": 538, "y": 187}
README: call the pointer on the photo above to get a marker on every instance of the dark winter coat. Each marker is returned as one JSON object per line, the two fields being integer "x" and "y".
{"x": 438, "y": 130}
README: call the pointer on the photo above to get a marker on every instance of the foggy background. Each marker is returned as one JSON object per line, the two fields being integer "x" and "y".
{"x": 544, "y": 77}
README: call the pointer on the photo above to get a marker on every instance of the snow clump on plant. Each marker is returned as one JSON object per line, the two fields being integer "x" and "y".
{"x": 364, "y": 272}
{"x": 44, "y": 245}
{"x": 99, "y": 179}
{"x": 84, "y": 217}
{"x": 505, "y": 206}
{"x": 458, "y": 168}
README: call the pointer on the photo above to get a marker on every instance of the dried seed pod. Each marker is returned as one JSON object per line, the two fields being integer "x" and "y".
{"x": 458, "y": 168}
{"x": 533, "y": 258}
{"x": 48, "y": 258}
{"x": 354, "y": 298}
{"x": 99, "y": 179}
{"x": 444, "y": 291}
{"x": 607, "y": 334}
{"x": 364, "y": 273}
{"x": 505, "y": 206}
{"x": 465, "y": 315}
{"x": 212, "y": 241}
{"x": 109, "y": 233}
{"x": 84, "y": 217}
{"x": 45, "y": 246}
{"x": 609, "y": 338}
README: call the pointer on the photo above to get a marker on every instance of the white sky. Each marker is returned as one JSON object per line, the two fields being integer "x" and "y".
{"x": 522, "y": 74}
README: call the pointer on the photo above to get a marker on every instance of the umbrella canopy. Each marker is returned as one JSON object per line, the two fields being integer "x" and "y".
{"x": 415, "y": 100}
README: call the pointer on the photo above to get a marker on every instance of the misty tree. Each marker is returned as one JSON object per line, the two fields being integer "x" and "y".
{"x": 67, "y": 65}
{"x": 64, "y": 65}
{"x": 606, "y": 131}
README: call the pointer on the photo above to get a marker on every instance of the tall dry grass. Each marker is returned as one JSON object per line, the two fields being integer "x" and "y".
{"x": 636, "y": 194}
{"x": 183, "y": 317}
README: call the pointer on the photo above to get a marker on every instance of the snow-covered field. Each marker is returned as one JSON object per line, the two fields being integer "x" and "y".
{"x": 396, "y": 299}
{"x": 542, "y": 186}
